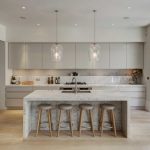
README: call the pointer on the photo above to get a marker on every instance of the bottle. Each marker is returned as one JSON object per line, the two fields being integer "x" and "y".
{"x": 58, "y": 80}
{"x": 49, "y": 80}
{"x": 52, "y": 80}
{"x": 13, "y": 79}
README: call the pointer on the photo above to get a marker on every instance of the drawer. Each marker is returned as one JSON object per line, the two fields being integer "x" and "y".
{"x": 16, "y": 95}
{"x": 137, "y": 102}
{"x": 134, "y": 94}
{"x": 14, "y": 102}
{"x": 19, "y": 89}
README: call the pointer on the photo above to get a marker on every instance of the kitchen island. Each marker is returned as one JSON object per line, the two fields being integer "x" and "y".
{"x": 56, "y": 97}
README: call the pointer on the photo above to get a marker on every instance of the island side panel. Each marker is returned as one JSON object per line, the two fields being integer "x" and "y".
{"x": 125, "y": 118}
{"x": 26, "y": 118}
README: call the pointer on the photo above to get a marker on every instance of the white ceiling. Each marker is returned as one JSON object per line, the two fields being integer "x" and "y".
{"x": 75, "y": 11}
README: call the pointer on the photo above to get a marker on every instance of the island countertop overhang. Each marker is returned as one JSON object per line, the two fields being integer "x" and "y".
{"x": 95, "y": 95}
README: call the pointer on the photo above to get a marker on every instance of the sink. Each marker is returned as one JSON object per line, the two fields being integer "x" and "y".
{"x": 77, "y": 91}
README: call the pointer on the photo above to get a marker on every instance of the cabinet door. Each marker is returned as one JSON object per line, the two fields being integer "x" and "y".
{"x": 135, "y": 55}
{"x": 67, "y": 61}
{"x": 83, "y": 58}
{"x": 34, "y": 56}
{"x": 17, "y": 56}
{"x": 118, "y": 56}
{"x": 47, "y": 64}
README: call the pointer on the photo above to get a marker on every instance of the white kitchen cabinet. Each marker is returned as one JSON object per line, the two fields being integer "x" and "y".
{"x": 34, "y": 56}
{"x": 135, "y": 58}
{"x": 118, "y": 59}
{"x": 17, "y": 55}
{"x": 83, "y": 58}
{"x": 67, "y": 61}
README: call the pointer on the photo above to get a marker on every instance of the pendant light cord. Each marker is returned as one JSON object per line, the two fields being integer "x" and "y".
{"x": 56, "y": 11}
{"x": 94, "y": 24}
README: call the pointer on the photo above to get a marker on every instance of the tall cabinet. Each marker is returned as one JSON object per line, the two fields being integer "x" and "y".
{"x": 147, "y": 68}
{"x": 2, "y": 75}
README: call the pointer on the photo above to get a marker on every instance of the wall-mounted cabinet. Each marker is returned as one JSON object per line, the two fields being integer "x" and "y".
{"x": 17, "y": 55}
{"x": 113, "y": 56}
{"x": 135, "y": 55}
{"x": 83, "y": 58}
{"x": 118, "y": 56}
{"x": 34, "y": 56}
{"x": 67, "y": 61}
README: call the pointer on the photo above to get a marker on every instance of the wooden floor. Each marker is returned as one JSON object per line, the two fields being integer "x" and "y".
{"x": 11, "y": 136}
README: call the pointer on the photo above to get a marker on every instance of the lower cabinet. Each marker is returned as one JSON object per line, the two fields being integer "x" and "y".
{"x": 15, "y": 94}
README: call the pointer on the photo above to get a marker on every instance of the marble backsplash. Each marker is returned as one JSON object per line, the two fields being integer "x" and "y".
{"x": 103, "y": 76}
{"x": 88, "y": 79}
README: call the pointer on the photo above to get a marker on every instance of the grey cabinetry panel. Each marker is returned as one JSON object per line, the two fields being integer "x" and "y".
{"x": 17, "y": 55}
{"x": 135, "y": 55}
{"x": 67, "y": 61}
{"x": 83, "y": 58}
{"x": 118, "y": 56}
{"x": 34, "y": 55}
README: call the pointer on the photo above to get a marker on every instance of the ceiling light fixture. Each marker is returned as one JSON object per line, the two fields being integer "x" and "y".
{"x": 56, "y": 49}
{"x": 112, "y": 24}
{"x": 129, "y": 7}
{"x": 94, "y": 47}
{"x": 38, "y": 24}
{"x": 23, "y": 7}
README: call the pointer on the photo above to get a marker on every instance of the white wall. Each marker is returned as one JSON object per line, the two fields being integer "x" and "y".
{"x": 67, "y": 34}
{"x": 2, "y": 33}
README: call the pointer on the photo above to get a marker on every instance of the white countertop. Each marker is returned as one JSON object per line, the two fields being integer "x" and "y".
{"x": 56, "y": 95}
{"x": 92, "y": 85}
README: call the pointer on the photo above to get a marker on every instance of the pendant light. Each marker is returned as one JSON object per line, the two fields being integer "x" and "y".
{"x": 94, "y": 47}
{"x": 56, "y": 49}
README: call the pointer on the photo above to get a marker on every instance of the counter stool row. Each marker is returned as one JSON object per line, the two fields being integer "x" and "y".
{"x": 83, "y": 108}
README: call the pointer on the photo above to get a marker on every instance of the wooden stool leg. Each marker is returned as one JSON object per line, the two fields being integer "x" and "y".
{"x": 100, "y": 119}
{"x": 91, "y": 120}
{"x": 70, "y": 122}
{"x": 80, "y": 123}
{"x": 114, "y": 122}
{"x": 110, "y": 119}
{"x": 49, "y": 122}
{"x": 39, "y": 121}
{"x": 102, "y": 122}
{"x": 59, "y": 122}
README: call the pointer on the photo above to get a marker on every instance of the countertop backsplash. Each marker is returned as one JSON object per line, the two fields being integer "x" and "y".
{"x": 103, "y": 76}
{"x": 88, "y": 79}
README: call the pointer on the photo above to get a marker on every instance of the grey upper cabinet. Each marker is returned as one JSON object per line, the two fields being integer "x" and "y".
{"x": 118, "y": 55}
{"x": 17, "y": 56}
{"x": 135, "y": 55}
{"x": 83, "y": 58}
{"x": 67, "y": 61}
{"x": 34, "y": 56}
{"x": 46, "y": 55}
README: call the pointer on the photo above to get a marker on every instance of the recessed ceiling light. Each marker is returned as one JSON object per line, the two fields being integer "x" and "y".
{"x": 75, "y": 24}
{"x": 126, "y": 18}
{"x": 22, "y": 17}
{"x": 23, "y": 7}
{"x": 38, "y": 24}
{"x": 129, "y": 7}
{"x": 112, "y": 24}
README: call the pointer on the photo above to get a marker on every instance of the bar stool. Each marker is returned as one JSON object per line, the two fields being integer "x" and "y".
{"x": 68, "y": 109}
{"x": 110, "y": 109}
{"x": 47, "y": 108}
{"x": 88, "y": 108}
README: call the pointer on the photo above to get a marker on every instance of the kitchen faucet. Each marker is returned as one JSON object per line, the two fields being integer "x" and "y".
{"x": 74, "y": 80}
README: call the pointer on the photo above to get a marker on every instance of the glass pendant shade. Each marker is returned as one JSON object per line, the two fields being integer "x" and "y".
{"x": 94, "y": 47}
{"x": 56, "y": 49}
{"x": 56, "y": 52}
{"x": 95, "y": 52}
